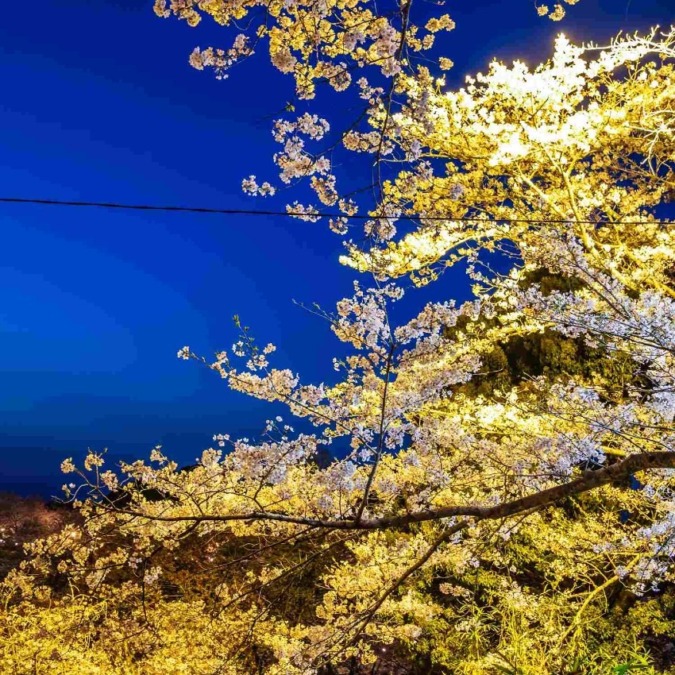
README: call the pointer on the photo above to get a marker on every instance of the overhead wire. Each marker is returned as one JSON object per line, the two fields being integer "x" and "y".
{"x": 300, "y": 214}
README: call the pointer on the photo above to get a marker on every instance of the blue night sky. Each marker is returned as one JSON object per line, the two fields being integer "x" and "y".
{"x": 98, "y": 102}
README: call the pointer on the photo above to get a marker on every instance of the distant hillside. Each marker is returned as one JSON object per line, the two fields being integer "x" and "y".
{"x": 24, "y": 519}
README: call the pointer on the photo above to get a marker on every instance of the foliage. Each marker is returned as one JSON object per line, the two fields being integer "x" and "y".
{"x": 22, "y": 521}
{"x": 501, "y": 498}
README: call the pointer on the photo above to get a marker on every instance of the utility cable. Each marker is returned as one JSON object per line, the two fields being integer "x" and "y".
{"x": 299, "y": 214}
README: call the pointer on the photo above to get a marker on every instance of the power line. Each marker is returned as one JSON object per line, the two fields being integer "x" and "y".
{"x": 296, "y": 214}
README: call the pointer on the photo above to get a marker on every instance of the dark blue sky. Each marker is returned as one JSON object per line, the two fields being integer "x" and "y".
{"x": 98, "y": 103}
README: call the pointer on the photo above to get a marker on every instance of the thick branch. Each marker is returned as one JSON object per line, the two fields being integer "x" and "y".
{"x": 587, "y": 481}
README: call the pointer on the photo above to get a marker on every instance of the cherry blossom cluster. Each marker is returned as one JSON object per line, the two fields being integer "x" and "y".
{"x": 221, "y": 60}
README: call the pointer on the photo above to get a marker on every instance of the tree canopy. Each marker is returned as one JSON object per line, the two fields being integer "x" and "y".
{"x": 499, "y": 494}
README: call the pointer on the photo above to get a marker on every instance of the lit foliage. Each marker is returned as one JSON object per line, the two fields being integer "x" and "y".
{"x": 485, "y": 514}
{"x": 313, "y": 41}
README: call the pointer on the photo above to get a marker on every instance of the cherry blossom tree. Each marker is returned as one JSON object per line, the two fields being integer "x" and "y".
{"x": 478, "y": 515}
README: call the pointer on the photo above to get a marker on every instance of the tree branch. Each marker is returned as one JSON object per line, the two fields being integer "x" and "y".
{"x": 587, "y": 481}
